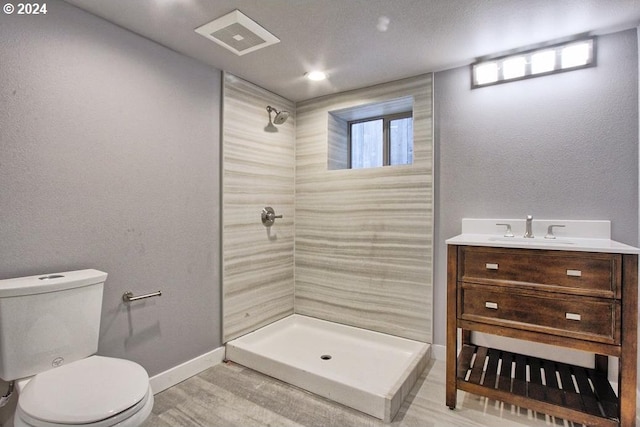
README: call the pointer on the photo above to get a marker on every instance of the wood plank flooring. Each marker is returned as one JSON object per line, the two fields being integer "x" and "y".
{"x": 229, "y": 395}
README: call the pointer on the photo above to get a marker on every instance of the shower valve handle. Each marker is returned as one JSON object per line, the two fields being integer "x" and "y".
{"x": 269, "y": 216}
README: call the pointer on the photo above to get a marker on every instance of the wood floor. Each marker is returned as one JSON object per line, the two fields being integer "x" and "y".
{"x": 229, "y": 395}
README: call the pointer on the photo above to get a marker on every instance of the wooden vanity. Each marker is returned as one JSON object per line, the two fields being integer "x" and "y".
{"x": 577, "y": 299}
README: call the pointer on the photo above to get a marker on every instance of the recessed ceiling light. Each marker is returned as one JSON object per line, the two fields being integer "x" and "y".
{"x": 316, "y": 75}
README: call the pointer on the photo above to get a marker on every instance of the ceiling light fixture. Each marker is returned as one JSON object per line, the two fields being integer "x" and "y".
{"x": 316, "y": 75}
{"x": 549, "y": 59}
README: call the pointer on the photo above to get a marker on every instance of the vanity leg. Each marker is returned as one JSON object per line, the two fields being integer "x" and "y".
{"x": 452, "y": 327}
{"x": 627, "y": 363}
{"x": 451, "y": 381}
{"x": 627, "y": 389}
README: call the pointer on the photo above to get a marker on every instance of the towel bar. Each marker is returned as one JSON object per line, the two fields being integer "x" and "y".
{"x": 128, "y": 296}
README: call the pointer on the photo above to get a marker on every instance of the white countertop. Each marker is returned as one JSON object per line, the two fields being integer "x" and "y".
{"x": 559, "y": 244}
{"x": 575, "y": 235}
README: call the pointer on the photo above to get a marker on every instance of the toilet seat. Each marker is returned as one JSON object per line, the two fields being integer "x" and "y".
{"x": 97, "y": 391}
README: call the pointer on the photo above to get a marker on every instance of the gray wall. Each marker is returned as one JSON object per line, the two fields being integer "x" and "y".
{"x": 109, "y": 147}
{"x": 555, "y": 147}
{"x": 258, "y": 171}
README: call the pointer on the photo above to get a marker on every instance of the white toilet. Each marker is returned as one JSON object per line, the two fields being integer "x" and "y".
{"x": 49, "y": 327}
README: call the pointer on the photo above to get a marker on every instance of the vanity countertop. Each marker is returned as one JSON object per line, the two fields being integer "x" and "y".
{"x": 570, "y": 235}
{"x": 564, "y": 244}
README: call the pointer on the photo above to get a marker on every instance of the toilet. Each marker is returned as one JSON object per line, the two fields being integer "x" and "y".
{"x": 49, "y": 328}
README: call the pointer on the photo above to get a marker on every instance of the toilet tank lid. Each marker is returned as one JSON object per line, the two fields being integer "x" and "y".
{"x": 43, "y": 283}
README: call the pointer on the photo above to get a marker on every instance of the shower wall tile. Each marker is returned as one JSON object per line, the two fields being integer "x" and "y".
{"x": 364, "y": 237}
{"x": 338, "y": 150}
{"x": 258, "y": 171}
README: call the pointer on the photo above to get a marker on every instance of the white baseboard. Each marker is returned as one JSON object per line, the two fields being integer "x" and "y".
{"x": 177, "y": 374}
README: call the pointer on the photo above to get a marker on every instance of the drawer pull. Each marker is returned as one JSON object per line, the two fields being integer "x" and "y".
{"x": 572, "y": 316}
{"x": 491, "y": 266}
{"x": 574, "y": 273}
{"x": 491, "y": 305}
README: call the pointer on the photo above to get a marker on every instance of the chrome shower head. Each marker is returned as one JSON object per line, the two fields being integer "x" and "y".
{"x": 281, "y": 116}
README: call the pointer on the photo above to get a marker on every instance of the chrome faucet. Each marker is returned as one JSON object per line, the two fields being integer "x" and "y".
{"x": 528, "y": 233}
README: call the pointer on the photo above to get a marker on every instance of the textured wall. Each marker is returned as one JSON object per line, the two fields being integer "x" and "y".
{"x": 109, "y": 159}
{"x": 363, "y": 239}
{"x": 555, "y": 147}
{"x": 258, "y": 168}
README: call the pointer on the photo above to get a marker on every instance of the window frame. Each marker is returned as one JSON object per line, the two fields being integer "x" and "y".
{"x": 386, "y": 135}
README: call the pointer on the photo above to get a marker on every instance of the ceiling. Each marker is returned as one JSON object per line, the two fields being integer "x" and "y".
{"x": 341, "y": 36}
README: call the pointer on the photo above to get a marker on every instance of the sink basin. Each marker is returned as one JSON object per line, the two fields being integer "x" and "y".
{"x": 538, "y": 240}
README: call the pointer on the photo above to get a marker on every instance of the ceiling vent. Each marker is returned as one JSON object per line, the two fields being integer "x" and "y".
{"x": 238, "y": 33}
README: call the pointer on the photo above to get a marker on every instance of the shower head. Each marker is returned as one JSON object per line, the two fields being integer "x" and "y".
{"x": 281, "y": 116}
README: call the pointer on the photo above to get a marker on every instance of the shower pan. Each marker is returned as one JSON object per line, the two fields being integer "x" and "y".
{"x": 365, "y": 370}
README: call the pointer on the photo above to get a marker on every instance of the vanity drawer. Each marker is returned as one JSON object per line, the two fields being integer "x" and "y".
{"x": 588, "y": 318}
{"x": 597, "y": 274}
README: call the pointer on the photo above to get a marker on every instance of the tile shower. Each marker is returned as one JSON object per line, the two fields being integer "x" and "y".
{"x": 354, "y": 247}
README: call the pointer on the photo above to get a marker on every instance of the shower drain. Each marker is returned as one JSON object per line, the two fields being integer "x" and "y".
{"x": 325, "y": 357}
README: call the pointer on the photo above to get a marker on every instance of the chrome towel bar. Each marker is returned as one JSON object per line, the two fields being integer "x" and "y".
{"x": 128, "y": 296}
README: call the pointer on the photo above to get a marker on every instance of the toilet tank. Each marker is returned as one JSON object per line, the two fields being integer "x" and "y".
{"x": 48, "y": 320}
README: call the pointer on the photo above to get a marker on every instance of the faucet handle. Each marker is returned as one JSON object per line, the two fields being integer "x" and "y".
{"x": 550, "y": 234}
{"x": 508, "y": 232}
{"x": 528, "y": 233}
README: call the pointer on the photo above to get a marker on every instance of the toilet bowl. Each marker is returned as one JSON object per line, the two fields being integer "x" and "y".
{"x": 96, "y": 391}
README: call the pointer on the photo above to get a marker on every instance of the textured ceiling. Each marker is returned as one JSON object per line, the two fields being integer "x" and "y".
{"x": 341, "y": 36}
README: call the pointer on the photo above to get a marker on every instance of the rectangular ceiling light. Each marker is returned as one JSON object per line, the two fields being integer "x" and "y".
{"x": 557, "y": 58}
{"x": 238, "y": 33}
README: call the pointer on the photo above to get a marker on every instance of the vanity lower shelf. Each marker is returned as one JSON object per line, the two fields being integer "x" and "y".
{"x": 581, "y": 394}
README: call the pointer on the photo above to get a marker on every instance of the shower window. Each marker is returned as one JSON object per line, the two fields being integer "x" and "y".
{"x": 381, "y": 141}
